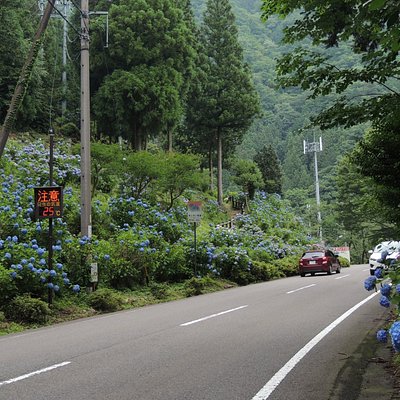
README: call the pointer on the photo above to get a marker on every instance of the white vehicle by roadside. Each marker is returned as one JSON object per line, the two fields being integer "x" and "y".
{"x": 386, "y": 250}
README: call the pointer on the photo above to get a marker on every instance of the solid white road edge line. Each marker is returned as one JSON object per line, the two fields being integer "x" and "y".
{"x": 40, "y": 371}
{"x": 212, "y": 316}
{"x": 273, "y": 383}
{"x": 304, "y": 287}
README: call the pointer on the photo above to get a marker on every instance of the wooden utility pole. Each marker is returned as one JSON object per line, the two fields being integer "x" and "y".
{"x": 23, "y": 79}
{"x": 86, "y": 218}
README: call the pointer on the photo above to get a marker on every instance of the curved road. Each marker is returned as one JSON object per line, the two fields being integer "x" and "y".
{"x": 284, "y": 339}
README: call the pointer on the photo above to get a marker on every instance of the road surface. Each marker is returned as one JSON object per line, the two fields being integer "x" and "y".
{"x": 283, "y": 339}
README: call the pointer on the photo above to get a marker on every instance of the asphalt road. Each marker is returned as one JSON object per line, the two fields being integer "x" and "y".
{"x": 284, "y": 339}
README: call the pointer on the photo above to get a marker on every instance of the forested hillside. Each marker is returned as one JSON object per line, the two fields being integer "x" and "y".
{"x": 351, "y": 209}
{"x": 284, "y": 111}
{"x": 155, "y": 85}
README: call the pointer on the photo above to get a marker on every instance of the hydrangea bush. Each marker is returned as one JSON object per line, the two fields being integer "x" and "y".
{"x": 387, "y": 281}
{"x": 134, "y": 240}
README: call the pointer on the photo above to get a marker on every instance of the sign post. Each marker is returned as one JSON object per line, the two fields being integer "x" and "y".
{"x": 94, "y": 275}
{"x": 49, "y": 204}
{"x": 195, "y": 213}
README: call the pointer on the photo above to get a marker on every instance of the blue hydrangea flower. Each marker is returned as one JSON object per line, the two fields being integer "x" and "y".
{"x": 106, "y": 257}
{"x": 378, "y": 273}
{"x": 56, "y": 288}
{"x": 385, "y": 289}
{"x": 370, "y": 282}
{"x": 395, "y": 335}
{"x": 384, "y": 301}
{"x": 13, "y": 275}
{"x": 8, "y": 256}
{"x": 76, "y": 288}
{"x": 50, "y": 285}
{"x": 53, "y": 273}
{"x": 382, "y": 336}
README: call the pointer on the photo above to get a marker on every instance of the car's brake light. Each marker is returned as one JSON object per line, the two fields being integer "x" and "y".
{"x": 324, "y": 260}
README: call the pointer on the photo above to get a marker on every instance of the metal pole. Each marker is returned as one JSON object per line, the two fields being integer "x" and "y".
{"x": 86, "y": 227}
{"x": 64, "y": 73}
{"x": 317, "y": 194}
{"x": 50, "y": 245}
{"x": 195, "y": 248}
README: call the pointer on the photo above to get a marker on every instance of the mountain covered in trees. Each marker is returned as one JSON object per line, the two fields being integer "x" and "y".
{"x": 241, "y": 83}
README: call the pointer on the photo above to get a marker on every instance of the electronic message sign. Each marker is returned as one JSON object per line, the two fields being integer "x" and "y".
{"x": 48, "y": 202}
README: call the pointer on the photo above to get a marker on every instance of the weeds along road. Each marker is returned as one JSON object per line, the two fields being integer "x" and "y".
{"x": 284, "y": 339}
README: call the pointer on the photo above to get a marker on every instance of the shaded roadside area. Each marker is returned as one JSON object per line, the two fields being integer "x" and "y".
{"x": 369, "y": 373}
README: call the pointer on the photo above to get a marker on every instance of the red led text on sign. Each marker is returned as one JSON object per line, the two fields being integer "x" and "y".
{"x": 48, "y": 202}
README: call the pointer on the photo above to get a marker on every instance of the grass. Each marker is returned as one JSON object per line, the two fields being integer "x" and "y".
{"x": 78, "y": 306}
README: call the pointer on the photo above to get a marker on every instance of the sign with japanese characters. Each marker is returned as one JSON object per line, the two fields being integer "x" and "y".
{"x": 48, "y": 202}
{"x": 195, "y": 211}
{"x": 342, "y": 251}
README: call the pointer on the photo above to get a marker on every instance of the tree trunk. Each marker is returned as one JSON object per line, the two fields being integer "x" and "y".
{"x": 219, "y": 167}
{"x": 138, "y": 140}
{"x": 24, "y": 78}
{"x": 169, "y": 140}
{"x": 211, "y": 168}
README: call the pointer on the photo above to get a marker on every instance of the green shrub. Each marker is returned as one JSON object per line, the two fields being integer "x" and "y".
{"x": 288, "y": 266}
{"x": 234, "y": 264}
{"x": 159, "y": 290}
{"x": 194, "y": 287}
{"x": 172, "y": 264}
{"x": 197, "y": 286}
{"x": 344, "y": 262}
{"x": 264, "y": 271}
{"x": 27, "y": 309}
{"x": 7, "y": 287}
{"x": 105, "y": 300}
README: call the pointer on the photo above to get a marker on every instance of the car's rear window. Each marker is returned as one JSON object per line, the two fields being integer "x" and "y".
{"x": 311, "y": 254}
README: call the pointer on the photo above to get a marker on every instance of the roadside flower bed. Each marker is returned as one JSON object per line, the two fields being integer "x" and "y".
{"x": 387, "y": 281}
{"x": 134, "y": 242}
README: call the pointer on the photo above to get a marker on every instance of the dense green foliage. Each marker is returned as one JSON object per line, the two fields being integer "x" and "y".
{"x": 136, "y": 241}
{"x": 270, "y": 168}
{"x": 149, "y": 83}
{"x": 223, "y": 102}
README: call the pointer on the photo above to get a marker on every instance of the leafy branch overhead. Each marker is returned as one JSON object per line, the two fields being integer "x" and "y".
{"x": 370, "y": 29}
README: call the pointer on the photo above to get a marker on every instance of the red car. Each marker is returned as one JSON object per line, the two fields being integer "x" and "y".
{"x": 313, "y": 261}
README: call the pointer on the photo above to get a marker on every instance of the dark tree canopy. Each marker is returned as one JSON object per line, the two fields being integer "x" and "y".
{"x": 270, "y": 168}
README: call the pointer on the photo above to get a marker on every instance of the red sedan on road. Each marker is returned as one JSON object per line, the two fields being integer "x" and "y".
{"x": 313, "y": 261}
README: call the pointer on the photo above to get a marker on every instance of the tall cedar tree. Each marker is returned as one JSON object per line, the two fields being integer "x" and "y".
{"x": 224, "y": 102}
{"x": 270, "y": 168}
{"x": 140, "y": 93}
